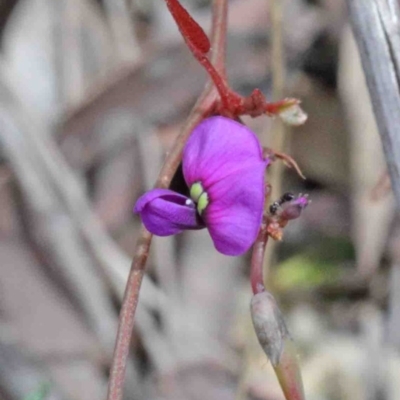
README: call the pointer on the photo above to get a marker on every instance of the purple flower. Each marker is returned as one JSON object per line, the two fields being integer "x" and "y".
{"x": 224, "y": 169}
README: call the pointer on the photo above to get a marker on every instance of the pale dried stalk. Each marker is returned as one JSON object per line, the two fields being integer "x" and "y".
{"x": 278, "y": 131}
{"x": 376, "y": 29}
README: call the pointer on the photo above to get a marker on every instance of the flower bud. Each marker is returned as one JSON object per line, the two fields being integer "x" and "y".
{"x": 275, "y": 340}
{"x": 269, "y": 325}
{"x": 292, "y": 209}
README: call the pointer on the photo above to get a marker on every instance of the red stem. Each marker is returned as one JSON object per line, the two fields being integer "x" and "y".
{"x": 202, "y": 108}
{"x": 257, "y": 256}
{"x": 197, "y": 41}
{"x": 257, "y": 261}
{"x": 228, "y": 98}
{"x": 127, "y": 314}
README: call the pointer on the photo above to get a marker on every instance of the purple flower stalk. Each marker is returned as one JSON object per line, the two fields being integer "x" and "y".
{"x": 224, "y": 169}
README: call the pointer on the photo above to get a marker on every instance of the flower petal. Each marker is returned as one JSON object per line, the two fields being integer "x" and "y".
{"x": 219, "y": 147}
{"x": 226, "y": 157}
{"x": 235, "y": 210}
{"x": 165, "y": 212}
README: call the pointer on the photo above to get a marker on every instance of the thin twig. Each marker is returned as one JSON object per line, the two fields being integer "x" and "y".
{"x": 278, "y": 76}
{"x": 257, "y": 259}
{"x": 201, "y": 108}
{"x": 278, "y": 132}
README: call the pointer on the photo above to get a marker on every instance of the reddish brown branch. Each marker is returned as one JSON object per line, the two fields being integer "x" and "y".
{"x": 126, "y": 318}
{"x": 257, "y": 256}
{"x": 257, "y": 261}
{"x": 203, "y": 107}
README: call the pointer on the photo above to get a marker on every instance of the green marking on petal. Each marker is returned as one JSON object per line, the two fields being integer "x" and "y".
{"x": 196, "y": 191}
{"x": 199, "y": 196}
{"x": 202, "y": 202}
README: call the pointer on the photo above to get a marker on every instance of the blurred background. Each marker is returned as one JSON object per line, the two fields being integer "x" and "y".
{"x": 92, "y": 94}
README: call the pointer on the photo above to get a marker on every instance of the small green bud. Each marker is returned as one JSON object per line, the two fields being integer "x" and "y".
{"x": 199, "y": 196}
{"x": 202, "y": 202}
{"x": 196, "y": 191}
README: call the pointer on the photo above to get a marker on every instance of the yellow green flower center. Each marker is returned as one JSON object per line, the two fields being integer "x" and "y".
{"x": 199, "y": 196}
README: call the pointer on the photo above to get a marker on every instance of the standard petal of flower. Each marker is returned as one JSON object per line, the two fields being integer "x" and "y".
{"x": 165, "y": 212}
{"x": 218, "y": 147}
{"x": 234, "y": 214}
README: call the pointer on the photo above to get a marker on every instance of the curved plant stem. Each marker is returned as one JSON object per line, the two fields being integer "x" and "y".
{"x": 257, "y": 261}
{"x": 127, "y": 315}
{"x": 278, "y": 83}
{"x": 218, "y": 35}
{"x": 202, "y": 108}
